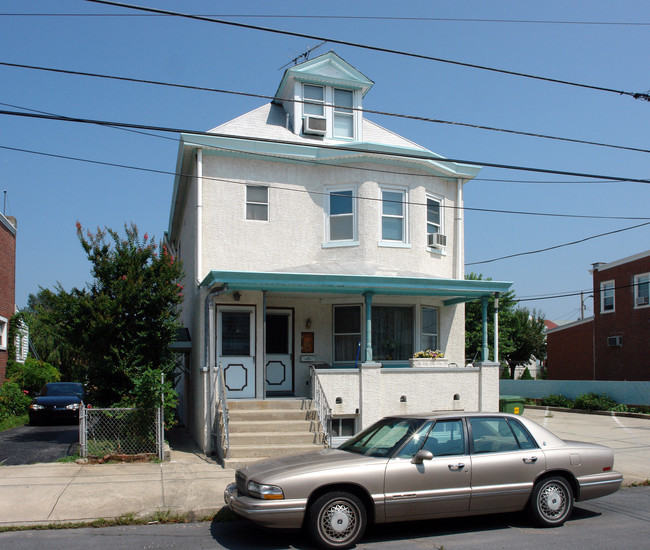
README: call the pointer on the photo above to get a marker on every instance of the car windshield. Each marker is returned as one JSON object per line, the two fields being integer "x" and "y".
{"x": 63, "y": 389}
{"x": 383, "y": 438}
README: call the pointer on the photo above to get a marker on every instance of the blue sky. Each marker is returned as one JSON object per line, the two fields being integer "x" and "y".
{"x": 48, "y": 195}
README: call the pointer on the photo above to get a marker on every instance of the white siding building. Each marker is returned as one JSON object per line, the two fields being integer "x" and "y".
{"x": 312, "y": 236}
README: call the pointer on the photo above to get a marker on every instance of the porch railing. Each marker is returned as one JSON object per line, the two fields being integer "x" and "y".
{"x": 222, "y": 415}
{"x": 321, "y": 405}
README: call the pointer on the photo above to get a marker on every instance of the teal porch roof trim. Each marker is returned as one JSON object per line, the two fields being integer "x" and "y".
{"x": 454, "y": 290}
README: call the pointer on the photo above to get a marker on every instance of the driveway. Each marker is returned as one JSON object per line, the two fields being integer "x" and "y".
{"x": 33, "y": 444}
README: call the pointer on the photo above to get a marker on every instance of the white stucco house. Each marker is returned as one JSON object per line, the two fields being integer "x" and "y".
{"x": 321, "y": 252}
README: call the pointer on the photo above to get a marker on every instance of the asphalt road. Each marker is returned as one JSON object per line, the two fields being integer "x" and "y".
{"x": 33, "y": 444}
{"x": 621, "y": 520}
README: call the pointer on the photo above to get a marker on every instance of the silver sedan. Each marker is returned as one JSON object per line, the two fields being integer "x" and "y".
{"x": 424, "y": 466}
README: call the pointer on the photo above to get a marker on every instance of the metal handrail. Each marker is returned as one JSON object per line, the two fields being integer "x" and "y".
{"x": 321, "y": 405}
{"x": 223, "y": 407}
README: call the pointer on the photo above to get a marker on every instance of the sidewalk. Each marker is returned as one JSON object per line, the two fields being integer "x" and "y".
{"x": 190, "y": 483}
{"x": 193, "y": 484}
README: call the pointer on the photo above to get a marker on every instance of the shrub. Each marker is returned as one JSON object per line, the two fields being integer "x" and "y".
{"x": 526, "y": 375}
{"x": 595, "y": 402}
{"x": 33, "y": 374}
{"x": 13, "y": 402}
{"x": 555, "y": 400}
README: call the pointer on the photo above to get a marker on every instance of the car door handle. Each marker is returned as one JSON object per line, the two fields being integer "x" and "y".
{"x": 456, "y": 467}
{"x": 530, "y": 460}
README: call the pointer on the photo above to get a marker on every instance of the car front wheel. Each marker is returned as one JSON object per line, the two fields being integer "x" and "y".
{"x": 337, "y": 520}
{"x": 551, "y": 502}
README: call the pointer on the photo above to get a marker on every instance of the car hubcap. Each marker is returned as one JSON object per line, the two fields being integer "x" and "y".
{"x": 553, "y": 501}
{"x": 339, "y": 521}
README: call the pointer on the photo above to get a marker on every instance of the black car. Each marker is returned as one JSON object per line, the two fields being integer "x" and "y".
{"x": 57, "y": 401}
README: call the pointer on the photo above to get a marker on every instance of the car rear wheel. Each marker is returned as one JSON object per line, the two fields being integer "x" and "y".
{"x": 551, "y": 502}
{"x": 337, "y": 520}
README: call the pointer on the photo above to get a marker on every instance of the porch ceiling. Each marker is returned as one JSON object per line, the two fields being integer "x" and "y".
{"x": 453, "y": 290}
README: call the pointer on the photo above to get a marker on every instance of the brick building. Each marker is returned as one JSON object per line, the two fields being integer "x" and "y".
{"x": 614, "y": 344}
{"x": 7, "y": 285}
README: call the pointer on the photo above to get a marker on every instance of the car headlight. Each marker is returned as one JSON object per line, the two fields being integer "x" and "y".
{"x": 266, "y": 492}
{"x": 36, "y": 407}
{"x": 73, "y": 406}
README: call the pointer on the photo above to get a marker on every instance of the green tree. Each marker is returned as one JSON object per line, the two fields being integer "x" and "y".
{"x": 521, "y": 332}
{"x": 116, "y": 334}
{"x": 127, "y": 319}
{"x": 33, "y": 374}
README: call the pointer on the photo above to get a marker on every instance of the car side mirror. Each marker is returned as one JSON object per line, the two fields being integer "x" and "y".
{"x": 421, "y": 456}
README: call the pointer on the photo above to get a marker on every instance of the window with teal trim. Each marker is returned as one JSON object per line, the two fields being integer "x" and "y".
{"x": 392, "y": 333}
{"x": 347, "y": 332}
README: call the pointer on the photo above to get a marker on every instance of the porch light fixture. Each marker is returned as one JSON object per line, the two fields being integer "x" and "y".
{"x": 236, "y": 296}
{"x": 308, "y": 323}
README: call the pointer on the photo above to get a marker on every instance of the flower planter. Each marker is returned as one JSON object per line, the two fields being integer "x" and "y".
{"x": 428, "y": 362}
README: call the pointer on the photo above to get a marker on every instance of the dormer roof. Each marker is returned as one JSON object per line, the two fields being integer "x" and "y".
{"x": 327, "y": 70}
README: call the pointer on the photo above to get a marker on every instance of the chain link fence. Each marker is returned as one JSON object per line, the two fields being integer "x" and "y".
{"x": 109, "y": 432}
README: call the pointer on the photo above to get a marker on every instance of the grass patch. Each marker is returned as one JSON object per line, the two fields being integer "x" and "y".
{"x": 69, "y": 458}
{"x": 13, "y": 422}
{"x": 645, "y": 483}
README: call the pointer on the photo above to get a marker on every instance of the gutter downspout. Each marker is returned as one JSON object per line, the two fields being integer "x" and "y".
{"x": 208, "y": 364}
{"x": 460, "y": 250}
{"x": 199, "y": 214}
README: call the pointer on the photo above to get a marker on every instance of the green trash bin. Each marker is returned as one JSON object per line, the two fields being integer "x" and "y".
{"x": 513, "y": 404}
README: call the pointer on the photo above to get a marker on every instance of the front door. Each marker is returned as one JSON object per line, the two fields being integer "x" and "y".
{"x": 235, "y": 350}
{"x": 278, "y": 368}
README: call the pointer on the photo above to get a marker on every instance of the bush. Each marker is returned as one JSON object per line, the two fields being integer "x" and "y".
{"x": 33, "y": 374}
{"x": 555, "y": 400}
{"x": 13, "y": 402}
{"x": 595, "y": 402}
{"x": 526, "y": 375}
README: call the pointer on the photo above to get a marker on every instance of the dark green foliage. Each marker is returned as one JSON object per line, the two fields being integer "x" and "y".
{"x": 555, "y": 400}
{"x": 521, "y": 332}
{"x": 595, "y": 402}
{"x": 33, "y": 374}
{"x": 115, "y": 335}
{"x": 526, "y": 375}
{"x": 13, "y": 402}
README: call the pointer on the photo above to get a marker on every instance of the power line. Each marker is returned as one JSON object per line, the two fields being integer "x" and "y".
{"x": 576, "y": 293}
{"x": 365, "y": 110}
{"x": 290, "y": 189}
{"x": 559, "y": 245}
{"x": 350, "y": 148}
{"x": 344, "y": 17}
{"x": 636, "y": 95}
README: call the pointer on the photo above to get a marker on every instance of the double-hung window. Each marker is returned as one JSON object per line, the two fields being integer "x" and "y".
{"x": 341, "y": 216}
{"x": 392, "y": 333}
{"x": 4, "y": 327}
{"x": 347, "y": 332}
{"x": 257, "y": 202}
{"x": 606, "y": 296}
{"x": 314, "y": 97}
{"x": 429, "y": 335}
{"x": 343, "y": 114}
{"x": 642, "y": 290}
{"x": 434, "y": 222}
{"x": 393, "y": 216}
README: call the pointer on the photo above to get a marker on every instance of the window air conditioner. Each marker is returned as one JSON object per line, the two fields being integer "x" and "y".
{"x": 436, "y": 240}
{"x": 642, "y": 300}
{"x": 314, "y": 125}
{"x": 615, "y": 341}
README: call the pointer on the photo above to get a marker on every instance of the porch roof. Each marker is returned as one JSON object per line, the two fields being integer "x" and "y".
{"x": 453, "y": 290}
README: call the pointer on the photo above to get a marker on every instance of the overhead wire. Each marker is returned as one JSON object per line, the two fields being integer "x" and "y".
{"x": 395, "y": 154}
{"x": 293, "y": 100}
{"x": 636, "y": 95}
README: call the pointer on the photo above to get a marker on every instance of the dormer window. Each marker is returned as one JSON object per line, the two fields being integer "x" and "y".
{"x": 328, "y": 111}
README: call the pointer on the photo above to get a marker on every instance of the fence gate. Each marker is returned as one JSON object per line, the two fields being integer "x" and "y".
{"x": 105, "y": 432}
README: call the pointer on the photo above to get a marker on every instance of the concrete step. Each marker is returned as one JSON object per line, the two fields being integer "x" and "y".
{"x": 259, "y": 452}
{"x": 263, "y": 426}
{"x": 273, "y": 438}
{"x": 266, "y": 404}
{"x": 278, "y": 415}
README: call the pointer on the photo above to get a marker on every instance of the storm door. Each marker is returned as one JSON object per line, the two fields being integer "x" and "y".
{"x": 278, "y": 368}
{"x": 236, "y": 350}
